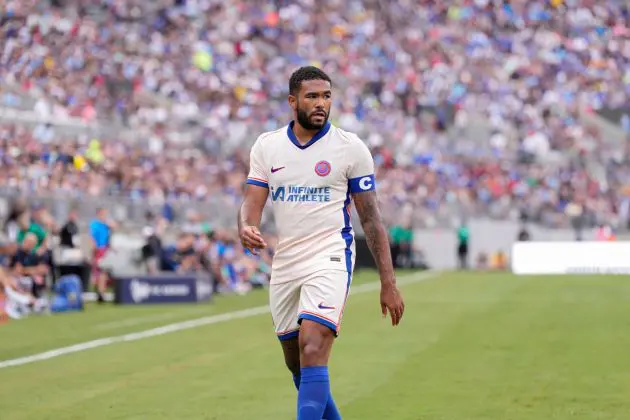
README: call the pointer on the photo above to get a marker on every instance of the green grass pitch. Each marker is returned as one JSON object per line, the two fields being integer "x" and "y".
{"x": 478, "y": 346}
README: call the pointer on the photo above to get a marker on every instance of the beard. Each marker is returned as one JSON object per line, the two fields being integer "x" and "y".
{"x": 305, "y": 121}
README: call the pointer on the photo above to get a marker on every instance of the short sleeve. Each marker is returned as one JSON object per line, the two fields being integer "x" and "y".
{"x": 361, "y": 173}
{"x": 257, "y": 174}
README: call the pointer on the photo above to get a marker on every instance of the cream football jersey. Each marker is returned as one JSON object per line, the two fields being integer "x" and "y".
{"x": 310, "y": 189}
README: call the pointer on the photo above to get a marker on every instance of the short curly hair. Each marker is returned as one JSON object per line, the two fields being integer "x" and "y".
{"x": 306, "y": 73}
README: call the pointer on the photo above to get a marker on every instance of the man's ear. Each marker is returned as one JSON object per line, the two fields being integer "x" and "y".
{"x": 292, "y": 102}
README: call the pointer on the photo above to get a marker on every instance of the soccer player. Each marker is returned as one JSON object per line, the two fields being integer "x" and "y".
{"x": 313, "y": 171}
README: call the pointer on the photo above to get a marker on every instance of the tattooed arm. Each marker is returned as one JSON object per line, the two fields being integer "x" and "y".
{"x": 378, "y": 242}
{"x": 362, "y": 186}
{"x": 375, "y": 234}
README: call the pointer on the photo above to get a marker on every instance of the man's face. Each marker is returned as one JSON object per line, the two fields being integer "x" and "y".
{"x": 312, "y": 104}
{"x": 30, "y": 240}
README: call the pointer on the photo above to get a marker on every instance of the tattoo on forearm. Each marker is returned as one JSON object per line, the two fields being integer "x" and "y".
{"x": 375, "y": 234}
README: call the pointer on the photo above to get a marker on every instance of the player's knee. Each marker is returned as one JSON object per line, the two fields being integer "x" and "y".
{"x": 315, "y": 346}
{"x": 312, "y": 352}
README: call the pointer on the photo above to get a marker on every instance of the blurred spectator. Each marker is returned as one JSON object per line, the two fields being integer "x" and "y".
{"x": 463, "y": 239}
{"x": 71, "y": 257}
{"x": 605, "y": 233}
{"x": 27, "y": 225}
{"x": 44, "y": 219}
{"x": 31, "y": 266}
{"x": 401, "y": 237}
{"x": 11, "y": 225}
{"x": 185, "y": 259}
{"x": 499, "y": 261}
{"x": 101, "y": 229}
{"x": 17, "y": 302}
{"x": 482, "y": 261}
{"x": 152, "y": 250}
{"x": 523, "y": 234}
{"x": 213, "y": 264}
{"x": 68, "y": 236}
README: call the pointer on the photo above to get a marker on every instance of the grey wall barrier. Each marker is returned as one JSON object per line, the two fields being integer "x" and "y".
{"x": 487, "y": 236}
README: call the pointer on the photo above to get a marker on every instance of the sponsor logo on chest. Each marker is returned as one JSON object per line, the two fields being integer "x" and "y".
{"x": 295, "y": 183}
{"x": 300, "y": 194}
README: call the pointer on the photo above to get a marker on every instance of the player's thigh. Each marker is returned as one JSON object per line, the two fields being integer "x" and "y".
{"x": 323, "y": 297}
{"x": 284, "y": 300}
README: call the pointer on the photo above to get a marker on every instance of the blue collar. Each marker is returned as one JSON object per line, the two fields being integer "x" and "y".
{"x": 321, "y": 133}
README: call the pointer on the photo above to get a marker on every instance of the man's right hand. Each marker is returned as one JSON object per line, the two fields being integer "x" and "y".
{"x": 252, "y": 239}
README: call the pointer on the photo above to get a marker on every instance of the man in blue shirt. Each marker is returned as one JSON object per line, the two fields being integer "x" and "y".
{"x": 101, "y": 229}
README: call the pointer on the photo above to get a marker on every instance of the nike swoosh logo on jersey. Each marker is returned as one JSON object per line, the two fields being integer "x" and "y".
{"x": 274, "y": 170}
{"x": 322, "y": 306}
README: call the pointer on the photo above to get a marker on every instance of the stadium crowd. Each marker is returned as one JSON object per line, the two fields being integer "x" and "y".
{"x": 412, "y": 78}
{"x": 436, "y": 185}
{"x": 231, "y": 60}
{"x": 528, "y": 67}
{"x": 37, "y": 254}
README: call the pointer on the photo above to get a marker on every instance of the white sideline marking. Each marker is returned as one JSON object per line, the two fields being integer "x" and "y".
{"x": 193, "y": 323}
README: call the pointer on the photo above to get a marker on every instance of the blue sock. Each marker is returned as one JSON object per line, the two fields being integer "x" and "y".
{"x": 313, "y": 393}
{"x": 330, "y": 412}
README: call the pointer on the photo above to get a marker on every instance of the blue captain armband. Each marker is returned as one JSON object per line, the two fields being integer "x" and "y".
{"x": 362, "y": 184}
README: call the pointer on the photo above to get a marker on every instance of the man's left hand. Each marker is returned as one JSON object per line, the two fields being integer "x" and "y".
{"x": 392, "y": 301}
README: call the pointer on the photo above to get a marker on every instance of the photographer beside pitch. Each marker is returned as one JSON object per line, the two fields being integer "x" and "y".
{"x": 312, "y": 171}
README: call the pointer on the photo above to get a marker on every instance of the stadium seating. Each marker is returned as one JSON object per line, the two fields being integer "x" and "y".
{"x": 474, "y": 108}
